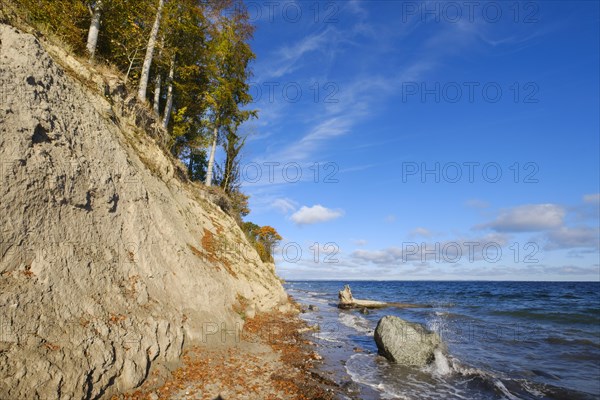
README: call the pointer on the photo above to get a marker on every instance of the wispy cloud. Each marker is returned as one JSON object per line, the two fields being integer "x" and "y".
{"x": 573, "y": 237}
{"x": 288, "y": 59}
{"x": 360, "y": 242}
{"x": 420, "y": 231}
{"x": 284, "y": 205}
{"x": 360, "y": 97}
{"x": 477, "y": 203}
{"x": 592, "y": 198}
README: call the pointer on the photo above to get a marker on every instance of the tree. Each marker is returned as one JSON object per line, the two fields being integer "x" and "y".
{"x": 145, "y": 74}
{"x": 186, "y": 31}
{"x": 269, "y": 238}
{"x": 158, "y": 81}
{"x": 92, "y": 39}
{"x": 197, "y": 165}
{"x": 251, "y": 230}
{"x": 228, "y": 90}
{"x": 230, "y": 179}
{"x": 264, "y": 239}
{"x": 67, "y": 19}
{"x": 169, "y": 104}
{"x": 125, "y": 29}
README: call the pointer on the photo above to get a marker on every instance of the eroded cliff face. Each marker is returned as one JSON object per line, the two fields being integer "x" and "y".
{"x": 109, "y": 263}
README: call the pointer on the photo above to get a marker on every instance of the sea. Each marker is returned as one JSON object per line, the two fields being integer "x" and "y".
{"x": 502, "y": 340}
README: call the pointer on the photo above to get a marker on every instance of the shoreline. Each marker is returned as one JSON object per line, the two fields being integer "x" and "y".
{"x": 272, "y": 358}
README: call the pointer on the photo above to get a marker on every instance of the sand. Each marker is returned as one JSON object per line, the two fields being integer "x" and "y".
{"x": 271, "y": 360}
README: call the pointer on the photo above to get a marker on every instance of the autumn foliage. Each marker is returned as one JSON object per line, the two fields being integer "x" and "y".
{"x": 263, "y": 238}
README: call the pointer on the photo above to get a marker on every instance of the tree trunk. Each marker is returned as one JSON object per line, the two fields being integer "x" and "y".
{"x": 92, "y": 38}
{"x": 211, "y": 160}
{"x": 169, "y": 104}
{"x": 157, "y": 83}
{"x": 227, "y": 171}
{"x": 131, "y": 61}
{"x": 158, "y": 79}
{"x": 149, "y": 53}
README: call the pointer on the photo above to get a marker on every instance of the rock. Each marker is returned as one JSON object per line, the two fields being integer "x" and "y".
{"x": 364, "y": 310}
{"x": 286, "y": 308}
{"x": 309, "y": 328}
{"x": 405, "y": 342}
{"x": 350, "y": 386}
{"x": 313, "y": 308}
{"x": 250, "y": 312}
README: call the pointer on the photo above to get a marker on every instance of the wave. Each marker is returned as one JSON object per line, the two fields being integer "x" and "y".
{"x": 328, "y": 336}
{"x": 442, "y": 367}
{"x": 544, "y": 315}
{"x": 446, "y": 378}
{"x": 357, "y": 323}
{"x": 571, "y": 342}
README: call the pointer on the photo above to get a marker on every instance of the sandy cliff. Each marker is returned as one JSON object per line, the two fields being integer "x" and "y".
{"x": 110, "y": 262}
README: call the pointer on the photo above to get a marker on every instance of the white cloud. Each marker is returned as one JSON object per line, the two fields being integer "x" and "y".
{"x": 566, "y": 237}
{"x": 477, "y": 203}
{"x": 420, "y": 231}
{"x": 356, "y": 7}
{"x": 284, "y": 205}
{"x": 360, "y": 242}
{"x": 391, "y": 218}
{"x": 528, "y": 218}
{"x": 592, "y": 198}
{"x": 447, "y": 252}
{"x": 315, "y": 214}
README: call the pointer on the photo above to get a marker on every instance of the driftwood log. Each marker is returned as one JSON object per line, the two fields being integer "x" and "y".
{"x": 346, "y": 300}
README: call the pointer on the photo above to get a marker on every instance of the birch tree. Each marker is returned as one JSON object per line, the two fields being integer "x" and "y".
{"x": 92, "y": 39}
{"x": 145, "y": 74}
{"x": 169, "y": 103}
{"x": 228, "y": 89}
{"x": 158, "y": 80}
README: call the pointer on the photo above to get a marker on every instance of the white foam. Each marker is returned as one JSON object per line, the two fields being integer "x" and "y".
{"x": 441, "y": 363}
{"x": 504, "y": 390}
{"x": 363, "y": 369}
{"x": 327, "y": 336}
{"x": 357, "y": 323}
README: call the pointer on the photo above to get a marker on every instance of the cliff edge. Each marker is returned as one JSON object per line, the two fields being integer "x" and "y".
{"x": 110, "y": 262}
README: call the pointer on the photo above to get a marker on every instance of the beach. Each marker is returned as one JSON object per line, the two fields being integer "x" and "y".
{"x": 270, "y": 359}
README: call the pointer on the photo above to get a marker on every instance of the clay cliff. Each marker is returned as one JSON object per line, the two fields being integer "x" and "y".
{"x": 110, "y": 260}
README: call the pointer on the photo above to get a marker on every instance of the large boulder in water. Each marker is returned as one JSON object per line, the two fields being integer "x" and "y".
{"x": 405, "y": 342}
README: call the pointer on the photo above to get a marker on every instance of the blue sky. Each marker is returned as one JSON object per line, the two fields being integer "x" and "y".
{"x": 450, "y": 142}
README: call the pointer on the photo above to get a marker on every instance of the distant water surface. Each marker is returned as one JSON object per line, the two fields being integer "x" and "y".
{"x": 505, "y": 340}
